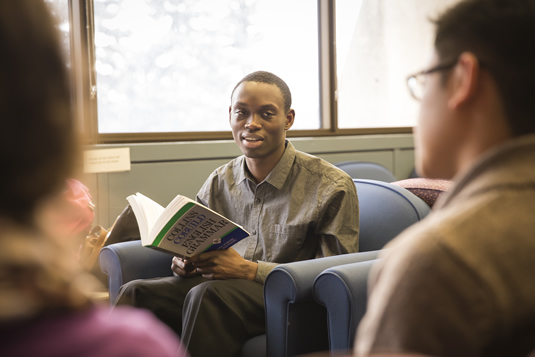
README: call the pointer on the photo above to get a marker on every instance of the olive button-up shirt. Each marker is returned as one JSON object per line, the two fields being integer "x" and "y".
{"x": 304, "y": 209}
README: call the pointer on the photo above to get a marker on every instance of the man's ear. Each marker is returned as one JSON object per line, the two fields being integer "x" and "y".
{"x": 290, "y": 117}
{"x": 464, "y": 80}
{"x": 229, "y": 113}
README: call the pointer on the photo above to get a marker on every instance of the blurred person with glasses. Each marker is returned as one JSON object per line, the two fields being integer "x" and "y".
{"x": 460, "y": 282}
{"x": 416, "y": 82}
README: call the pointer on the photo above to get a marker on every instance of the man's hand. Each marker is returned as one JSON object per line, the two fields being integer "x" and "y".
{"x": 224, "y": 264}
{"x": 183, "y": 268}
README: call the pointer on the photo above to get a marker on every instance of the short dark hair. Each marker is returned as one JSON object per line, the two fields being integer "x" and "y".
{"x": 37, "y": 142}
{"x": 268, "y": 78}
{"x": 501, "y": 34}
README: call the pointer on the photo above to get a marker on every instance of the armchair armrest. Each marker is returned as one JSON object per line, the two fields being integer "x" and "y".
{"x": 343, "y": 291}
{"x": 127, "y": 261}
{"x": 295, "y": 322}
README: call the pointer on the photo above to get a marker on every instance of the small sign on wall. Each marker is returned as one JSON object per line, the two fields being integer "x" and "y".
{"x": 106, "y": 160}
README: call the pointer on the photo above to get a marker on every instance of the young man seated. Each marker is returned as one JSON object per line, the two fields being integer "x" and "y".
{"x": 460, "y": 283}
{"x": 296, "y": 207}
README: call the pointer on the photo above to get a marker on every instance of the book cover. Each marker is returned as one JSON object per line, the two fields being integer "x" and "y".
{"x": 184, "y": 228}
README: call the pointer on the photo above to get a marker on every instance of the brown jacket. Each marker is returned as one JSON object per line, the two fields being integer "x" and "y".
{"x": 462, "y": 281}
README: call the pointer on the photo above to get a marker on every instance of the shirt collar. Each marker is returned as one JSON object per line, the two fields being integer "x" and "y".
{"x": 277, "y": 176}
{"x": 241, "y": 173}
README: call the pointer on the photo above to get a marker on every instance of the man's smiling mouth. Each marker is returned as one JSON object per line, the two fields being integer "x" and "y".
{"x": 252, "y": 139}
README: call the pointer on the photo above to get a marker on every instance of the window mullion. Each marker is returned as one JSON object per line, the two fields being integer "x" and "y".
{"x": 327, "y": 57}
{"x": 85, "y": 108}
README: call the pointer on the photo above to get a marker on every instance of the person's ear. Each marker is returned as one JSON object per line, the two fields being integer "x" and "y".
{"x": 290, "y": 117}
{"x": 464, "y": 80}
{"x": 229, "y": 113}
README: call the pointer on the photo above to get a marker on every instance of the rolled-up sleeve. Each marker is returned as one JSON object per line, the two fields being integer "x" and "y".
{"x": 264, "y": 268}
{"x": 338, "y": 223}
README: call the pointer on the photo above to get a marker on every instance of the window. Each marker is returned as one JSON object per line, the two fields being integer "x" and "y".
{"x": 170, "y": 66}
{"x": 154, "y": 70}
{"x": 379, "y": 43}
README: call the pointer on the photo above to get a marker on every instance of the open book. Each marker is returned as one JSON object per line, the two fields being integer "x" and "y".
{"x": 184, "y": 228}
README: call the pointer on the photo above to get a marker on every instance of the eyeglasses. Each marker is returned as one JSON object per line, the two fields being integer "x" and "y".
{"x": 416, "y": 82}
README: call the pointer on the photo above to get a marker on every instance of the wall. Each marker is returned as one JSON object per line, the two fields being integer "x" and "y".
{"x": 163, "y": 170}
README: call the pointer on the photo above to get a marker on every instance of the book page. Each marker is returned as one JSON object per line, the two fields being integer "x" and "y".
{"x": 147, "y": 213}
{"x": 173, "y": 207}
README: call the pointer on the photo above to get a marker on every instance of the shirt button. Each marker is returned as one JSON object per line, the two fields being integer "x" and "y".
{"x": 257, "y": 201}
{"x": 254, "y": 232}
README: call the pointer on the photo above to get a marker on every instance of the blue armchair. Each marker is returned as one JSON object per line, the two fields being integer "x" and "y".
{"x": 295, "y": 322}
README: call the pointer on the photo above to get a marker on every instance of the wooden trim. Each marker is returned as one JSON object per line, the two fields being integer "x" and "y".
{"x": 79, "y": 64}
{"x": 121, "y": 138}
{"x": 333, "y": 78}
{"x": 346, "y": 132}
{"x": 160, "y": 137}
{"x": 91, "y": 72}
{"x": 324, "y": 63}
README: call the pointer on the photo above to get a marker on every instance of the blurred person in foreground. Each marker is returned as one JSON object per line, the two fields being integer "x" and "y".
{"x": 461, "y": 282}
{"x": 43, "y": 308}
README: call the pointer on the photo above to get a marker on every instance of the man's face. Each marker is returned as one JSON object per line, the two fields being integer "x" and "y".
{"x": 258, "y": 120}
{"x": 435, "y": 134}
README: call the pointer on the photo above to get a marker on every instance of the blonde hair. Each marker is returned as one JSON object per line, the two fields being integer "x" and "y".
{"x": 38, "y": 274}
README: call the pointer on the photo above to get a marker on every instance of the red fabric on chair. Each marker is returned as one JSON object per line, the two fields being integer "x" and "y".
{"x": 427, "y": 189}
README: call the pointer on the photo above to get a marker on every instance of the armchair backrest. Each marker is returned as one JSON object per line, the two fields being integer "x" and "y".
{"x": 366, "y": 170}
{"x": 385, "y": 211}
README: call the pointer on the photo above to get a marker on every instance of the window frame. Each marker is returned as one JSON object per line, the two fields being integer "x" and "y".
{"x": 85, "y": 86}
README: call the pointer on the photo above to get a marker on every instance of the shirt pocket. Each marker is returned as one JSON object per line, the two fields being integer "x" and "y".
{"x": 284, "y": 242}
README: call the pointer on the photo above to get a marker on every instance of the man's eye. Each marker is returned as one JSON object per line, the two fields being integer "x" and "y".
{"x": 240, "y": 112}
{"x": 269, "y": 115}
